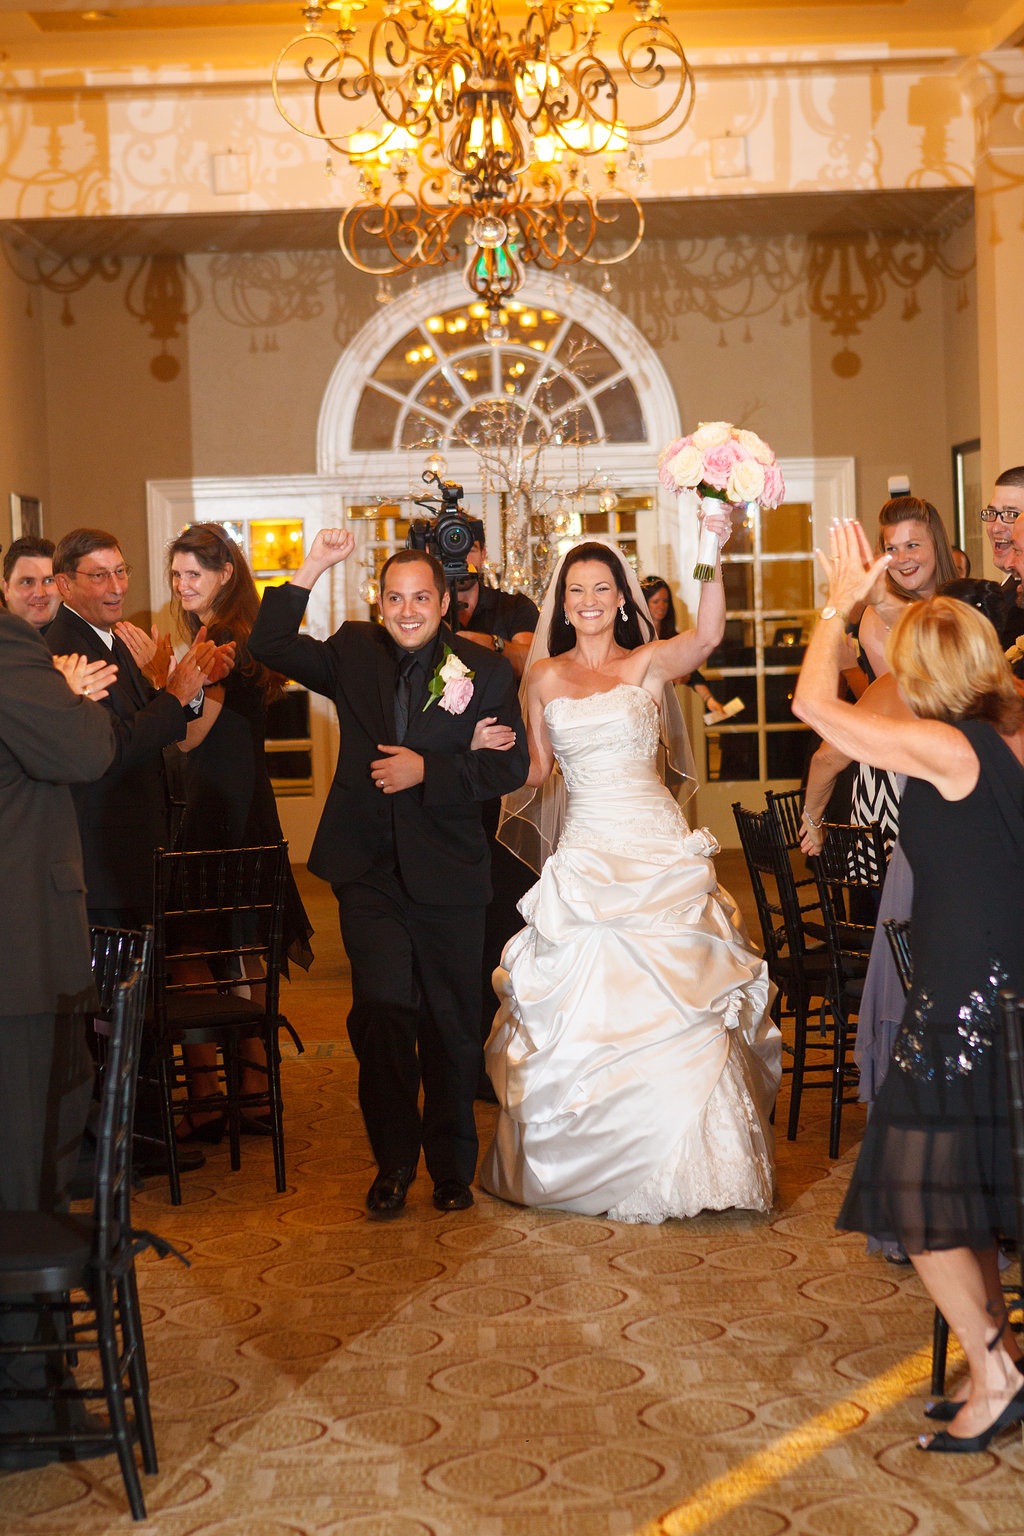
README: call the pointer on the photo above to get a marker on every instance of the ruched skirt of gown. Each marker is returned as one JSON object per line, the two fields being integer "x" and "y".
{"x": 632, "y": 1053}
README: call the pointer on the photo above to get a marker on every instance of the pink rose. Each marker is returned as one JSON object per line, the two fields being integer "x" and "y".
{"x": 719, "y": 460}
{"x": 456, "y": 695}
{"x": 774, "y": 486}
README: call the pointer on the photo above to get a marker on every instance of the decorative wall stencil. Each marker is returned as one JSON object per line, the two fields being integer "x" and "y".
{"x": 163, "y": 295}
{"x": 848, "y": 280}
{"x": 67, "y": 275}
{"x": 844, "y": 280}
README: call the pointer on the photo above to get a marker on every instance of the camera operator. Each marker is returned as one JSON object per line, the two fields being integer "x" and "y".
{"x": 502, "y": 621}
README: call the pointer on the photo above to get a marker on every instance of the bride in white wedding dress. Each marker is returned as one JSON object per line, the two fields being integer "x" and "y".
{"x": 633, "y": 1058}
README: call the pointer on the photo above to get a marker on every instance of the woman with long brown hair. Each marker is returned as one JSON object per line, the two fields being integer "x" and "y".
{"x": 229, "y": 799}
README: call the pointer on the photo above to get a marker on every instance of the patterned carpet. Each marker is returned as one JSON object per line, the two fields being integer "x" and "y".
{"x": 513, "y": 1373}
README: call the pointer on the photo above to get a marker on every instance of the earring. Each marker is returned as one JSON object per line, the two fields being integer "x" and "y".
{"x": 622, "y": 611}
{"x": 565, "y": 616}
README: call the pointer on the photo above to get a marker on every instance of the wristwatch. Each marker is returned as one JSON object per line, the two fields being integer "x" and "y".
{"x": 832, "y": 612}
{"x": 497, "y": 643}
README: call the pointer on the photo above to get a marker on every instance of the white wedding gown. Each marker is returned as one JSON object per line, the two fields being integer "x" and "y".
{"x": 632, "y": 1055}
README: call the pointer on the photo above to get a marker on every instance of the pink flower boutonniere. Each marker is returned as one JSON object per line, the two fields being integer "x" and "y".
{"x": 451, "y": 684}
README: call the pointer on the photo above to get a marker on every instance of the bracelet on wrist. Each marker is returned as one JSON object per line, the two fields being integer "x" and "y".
{"x": 814, "y": 825}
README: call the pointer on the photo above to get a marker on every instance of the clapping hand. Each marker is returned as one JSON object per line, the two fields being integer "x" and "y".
{"x": 852, "y": 570}
{"x": 90, "y": 679}
{"x": 192, "y": 672}
{"x": 151, "y": 653}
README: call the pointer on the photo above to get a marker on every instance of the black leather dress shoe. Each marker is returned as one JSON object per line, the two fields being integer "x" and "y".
{"x": 387, "y": 1193}
{"x": 452, "y": 1195}
{"x": 151, "y": 1161}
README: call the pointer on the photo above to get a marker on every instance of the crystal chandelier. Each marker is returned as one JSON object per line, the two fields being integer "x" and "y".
{"x": 473, "y": 139}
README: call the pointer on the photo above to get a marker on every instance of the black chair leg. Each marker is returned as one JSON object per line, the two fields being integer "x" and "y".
{"x": 796, "y": 1085}
{"x": 272, "y": 1047}
{"x": 940, "y": 1344}
{"x": 114, "y": 1390}
{"x": 838, "y": 1082}
{"x": 164, "y": 1080}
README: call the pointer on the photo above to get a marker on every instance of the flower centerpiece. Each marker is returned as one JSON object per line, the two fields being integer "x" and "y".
{"x": 721, "y": 463}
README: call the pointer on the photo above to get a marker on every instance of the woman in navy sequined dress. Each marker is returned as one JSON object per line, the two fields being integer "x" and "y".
{"x": 934, "y": 1171}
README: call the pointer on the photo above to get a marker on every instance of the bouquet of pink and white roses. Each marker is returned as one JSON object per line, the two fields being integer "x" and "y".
{"x": 721, "y": 463}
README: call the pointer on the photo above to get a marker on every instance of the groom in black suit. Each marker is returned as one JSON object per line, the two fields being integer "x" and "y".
{"x": 402, "y": 844}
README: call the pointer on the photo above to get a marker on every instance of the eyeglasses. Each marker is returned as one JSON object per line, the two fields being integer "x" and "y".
{"x": 466, "y": 583}
{"x": 1004, "y": 514}
{"x": 101, "y": 578}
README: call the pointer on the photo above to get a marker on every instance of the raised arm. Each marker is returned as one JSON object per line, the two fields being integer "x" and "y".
{"x": 924, "y": 749}
{"x": 686, "y": 652}
{"x": 275, "y": 638}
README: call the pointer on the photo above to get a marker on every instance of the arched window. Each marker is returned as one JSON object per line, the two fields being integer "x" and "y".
{"x": 427, "y": 391}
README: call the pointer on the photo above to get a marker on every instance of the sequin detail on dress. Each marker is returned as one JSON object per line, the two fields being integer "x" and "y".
{"x": 975, "y": 1032}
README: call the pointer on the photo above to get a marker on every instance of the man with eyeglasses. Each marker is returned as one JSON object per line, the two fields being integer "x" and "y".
{"x": 125, "y": 815}
{"x": 1000, "y": 517}
{"x": 29, "y": 586}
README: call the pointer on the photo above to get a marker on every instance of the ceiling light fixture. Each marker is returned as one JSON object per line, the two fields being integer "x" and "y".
{"x": 479, "y": 136}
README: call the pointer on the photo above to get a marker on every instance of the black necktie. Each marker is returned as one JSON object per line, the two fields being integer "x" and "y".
{"x": 403, "y": 696}
{"x": 128, "y": 674}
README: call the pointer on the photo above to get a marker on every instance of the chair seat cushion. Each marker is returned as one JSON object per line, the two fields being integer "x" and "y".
{"x": 52, "y": 1248}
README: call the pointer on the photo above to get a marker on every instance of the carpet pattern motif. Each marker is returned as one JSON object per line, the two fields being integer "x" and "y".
{"x": 502, "y": 1372}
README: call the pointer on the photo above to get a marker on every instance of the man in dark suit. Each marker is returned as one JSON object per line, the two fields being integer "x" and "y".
{"x": 49, "y": 738}
{"x": 125, "y": 815}
{"x": 402, "y": 843}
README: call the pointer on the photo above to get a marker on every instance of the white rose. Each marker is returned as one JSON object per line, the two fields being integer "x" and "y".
{"x": 712, "y": 434}
{"x": 687, "y": 468}
{"x": 755, "y": 446}
{"x": 746, "y": 481}
{"x": 453, "y": 669}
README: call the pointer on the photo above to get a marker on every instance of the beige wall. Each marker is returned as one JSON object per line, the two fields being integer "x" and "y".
{"x": 246, "y": 399}
{"x": 112, "y": 424}
{"x": 24, "y": 464}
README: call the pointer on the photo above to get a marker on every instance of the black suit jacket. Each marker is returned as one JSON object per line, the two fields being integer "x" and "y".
{"x": 432, "y": 831}
{"x": 49, "y": 739}
{"x": 123, "y": 817}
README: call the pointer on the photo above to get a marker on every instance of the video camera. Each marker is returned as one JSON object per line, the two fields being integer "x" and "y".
{"x": 448, "y": 534}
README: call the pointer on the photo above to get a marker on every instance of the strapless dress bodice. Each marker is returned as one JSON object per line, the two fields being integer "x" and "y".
{"x": 606, "y": 739}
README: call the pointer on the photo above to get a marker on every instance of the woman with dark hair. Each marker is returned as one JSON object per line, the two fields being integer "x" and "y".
{"x": 229, "y": 799}
{"x": 632, "y": 1055}
{"x": 934, "y": 1171}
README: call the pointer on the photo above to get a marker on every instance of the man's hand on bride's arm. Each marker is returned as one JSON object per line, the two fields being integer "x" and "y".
{"x": 490, "y": 735}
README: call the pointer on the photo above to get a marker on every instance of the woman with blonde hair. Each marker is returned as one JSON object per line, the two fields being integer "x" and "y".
{"x": 934, "y": 1170}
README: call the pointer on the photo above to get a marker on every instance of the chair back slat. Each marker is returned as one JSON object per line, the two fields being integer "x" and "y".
{"x": 112, "y": 1201}
{"x": 898, "y": 934}
{"x": 217, "y": 906}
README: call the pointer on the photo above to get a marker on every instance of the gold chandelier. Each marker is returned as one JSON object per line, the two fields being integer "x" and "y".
{"x": 478, "y": 137}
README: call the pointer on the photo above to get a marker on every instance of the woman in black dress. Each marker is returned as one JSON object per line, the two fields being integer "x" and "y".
{"x": 934, "y": 1171}
{"x": 229, "y": 799}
